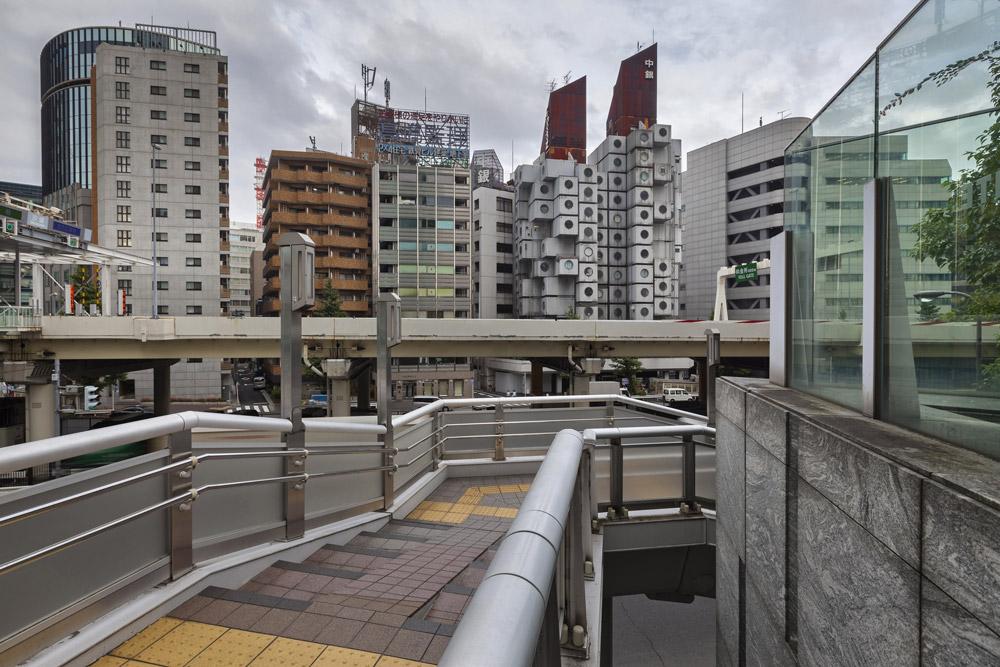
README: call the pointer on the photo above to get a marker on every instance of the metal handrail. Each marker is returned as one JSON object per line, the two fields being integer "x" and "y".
{"x": 40, "y": 452}
{"x": 519, "y": 581}
{"x": 437, "y": 406}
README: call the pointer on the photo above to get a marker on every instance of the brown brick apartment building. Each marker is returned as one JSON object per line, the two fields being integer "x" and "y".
{"x": 325, "y": 196}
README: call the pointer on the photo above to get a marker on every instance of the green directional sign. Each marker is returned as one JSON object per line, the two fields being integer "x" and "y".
{"x": 746, "y": 272}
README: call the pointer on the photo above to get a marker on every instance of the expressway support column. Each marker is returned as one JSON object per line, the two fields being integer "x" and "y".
{"x": 42, "y": 416}
{"x": 161, "y": 399}
{"x": 364, "y": 390}
{"x": 338, "y": 387}
{"x": 537, "y": 378}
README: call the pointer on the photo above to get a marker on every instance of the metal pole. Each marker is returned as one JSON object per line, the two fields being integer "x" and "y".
{"x": 435, "y": 440}
{"x": 576, "y": 538}
{"x": 617, "y": 479}
{"x": 498, "y": 450}
{"x": 17, "y": 275}
{"x": 181, "y": 530}
{"x": 979, "y": 348}
{"x": 383, "y": 382}
{"x": 291, "y": 386}
{"x": 713, "y": 355}
{"x": 690, "y": 504}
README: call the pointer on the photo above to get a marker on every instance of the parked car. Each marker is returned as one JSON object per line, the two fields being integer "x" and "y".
{"x": 673, "y": 395}
{"x": 260, "y": 382}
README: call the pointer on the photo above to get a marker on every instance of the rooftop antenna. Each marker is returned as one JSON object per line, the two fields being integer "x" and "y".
{"x": 566, "y": 77}
{"x": 783, "y": 113}
{"x": 312, "y": 140}
{"x": 552, "y": 85}
{"x": 741, "y": 112}
{"x": 387, "y": 92}
{"x": 368, "y": 76}
{"x": 760, "y": 122}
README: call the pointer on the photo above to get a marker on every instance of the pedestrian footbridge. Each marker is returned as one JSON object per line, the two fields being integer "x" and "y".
{"x": 470, "y": 532}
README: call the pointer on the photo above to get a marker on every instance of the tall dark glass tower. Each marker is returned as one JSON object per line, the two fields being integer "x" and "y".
{"x": 65, "y": 67}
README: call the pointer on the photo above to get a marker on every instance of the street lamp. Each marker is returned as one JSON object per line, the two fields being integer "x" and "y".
{"x": 927, "y": 296}
{"x": 156, "y": 261}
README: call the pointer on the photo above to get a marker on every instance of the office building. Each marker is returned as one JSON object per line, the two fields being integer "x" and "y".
{"x": 244, "y": 241}
{"x": 422, "y": 244}
{"x": 485, "y": 168}
{"x": 493, "y": 251}
{"x": 598, "y": 240}
{"x": 325, "y": 196}
{"x": 733, "y": 193}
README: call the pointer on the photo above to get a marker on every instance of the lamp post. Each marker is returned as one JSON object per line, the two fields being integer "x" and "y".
{"x": 156, "y": 261}
{"x": 926, "y": 296}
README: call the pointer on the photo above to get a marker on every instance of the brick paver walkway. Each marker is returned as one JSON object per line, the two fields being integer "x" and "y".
{"x": 389, "y": 598}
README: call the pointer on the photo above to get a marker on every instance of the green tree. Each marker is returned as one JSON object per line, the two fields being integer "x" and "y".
{"x": 928, "y": 311}
{"x": 329, "y": 302}
{"x": 629, "y": 367}
{"x": 571, "y": 314}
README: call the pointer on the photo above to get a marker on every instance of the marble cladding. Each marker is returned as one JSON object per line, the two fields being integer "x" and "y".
{"x": 862, "y": 543}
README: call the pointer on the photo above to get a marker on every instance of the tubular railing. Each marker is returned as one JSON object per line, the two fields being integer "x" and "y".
{"x": 534, "y": 586}
{"x": 259, "y": 494}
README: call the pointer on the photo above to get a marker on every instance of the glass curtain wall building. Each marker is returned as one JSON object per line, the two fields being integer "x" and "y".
{"x": 65, "y": 66}
{"x": 892, "y": 202}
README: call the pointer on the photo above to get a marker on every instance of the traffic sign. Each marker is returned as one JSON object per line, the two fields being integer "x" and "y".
{"x": 746, "y": 272}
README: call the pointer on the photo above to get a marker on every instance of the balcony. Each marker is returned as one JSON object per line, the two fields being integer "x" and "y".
{"x": 320, "y": 219}
{"x": 223, "y": 103}
{"x": 341, "y": 263}
{"x": 318, "y": 198}
{"x": 223, "y": 223}
{"x": 224, "y": 293}
{"x": 223, "y": 126}
{"x": 273, "y": 285}
{"x": 223, "y": 79}
{"x": 224, "y": 150}
{"x": 224, "y": 268}
{"x": 223, "y": 198}
{"x": 223, "y": 174}
{"x": 335, "y": 177}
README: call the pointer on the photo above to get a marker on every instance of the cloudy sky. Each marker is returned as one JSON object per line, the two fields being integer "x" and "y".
{"x": 294, "y": 67}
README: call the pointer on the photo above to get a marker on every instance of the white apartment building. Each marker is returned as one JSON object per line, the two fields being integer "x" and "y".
{"x": 493, "y": 252}
{"x": 244, "y": 239}
{"x": 161, "y": 166}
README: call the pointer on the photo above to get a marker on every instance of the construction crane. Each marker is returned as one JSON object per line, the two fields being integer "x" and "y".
{"x": 721, "y": 313}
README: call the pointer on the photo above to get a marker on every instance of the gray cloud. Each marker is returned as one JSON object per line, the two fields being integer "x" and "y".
{"x": 294, "y": 67}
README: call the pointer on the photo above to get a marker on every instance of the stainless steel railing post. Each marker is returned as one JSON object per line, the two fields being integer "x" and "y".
{"x": 576, "y": 539}
{"x": 295, "y": 491}
{"x": 181, "y": 532}
{"x": 690, "y": 502}
{"x": 617, "y": 506}
{"x": 498, "y": 450}
{"x": 435, "y": 440}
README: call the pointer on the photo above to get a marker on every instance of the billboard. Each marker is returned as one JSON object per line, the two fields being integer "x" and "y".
{"x": 404, "y": 136}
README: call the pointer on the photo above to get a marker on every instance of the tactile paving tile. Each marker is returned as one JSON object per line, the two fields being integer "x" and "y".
{"x": 285, "y": 652}
{"x": 109, "y": 661}
{"x": 390, "y": 661}
{"x": 337, "y": 656}
{"x": 235, "y": 648}
{"x": 142, "y": 640}
{"x": 178, "y": 646}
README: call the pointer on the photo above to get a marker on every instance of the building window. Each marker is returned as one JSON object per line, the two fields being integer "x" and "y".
{"x": 192, "y": 141}
{"x": 124, "y": 213}
{"x": 505, "y": 268}
{"x": 192, "y": 93}
{"x": 192, "y": 166}
{"x": 121, "y": 90}
{"x": 157, "y": 164}
{"x": 121, "y": 65}
{"x": 123, "y": 164}
{"x": 224, "y": 212}
{"x": 162, "y": 261}
{"x": 192, "y": 117}
{"x": 163, "y": 310}
{"x": 125, "y": 285}
{"x": 505, "y": 205}
{"x": 123, "y": 189}
{"x": 223, "y": 139}
{"x": 192, "y": 189}
{"x": 158, "y": 114}
{"x": 505, "y": 247}
{"x": 158, "y": 65}
{"x": 193, "y": 286}
{"x": 158, "y": 212}
{"x": 193, "y": 310}
{"x": 192, "y": 261}
{"x": 122, "y": 115}
{"x": 159, "y": 188}
{"x": 122, "y": 139}
{"x": 124, "y": 238}
{"x": 162, "y": 285}
{"x": 192, "y": 238}
{"x": 128, "y": 311}
{"x": 157, "y": 90}
{"x": 158, "y": 139}
{"x": 192, "y": 213}
{"x": 192, "y": 68}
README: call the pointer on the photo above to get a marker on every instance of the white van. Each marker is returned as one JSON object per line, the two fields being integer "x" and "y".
{"x": 673, "y": 395}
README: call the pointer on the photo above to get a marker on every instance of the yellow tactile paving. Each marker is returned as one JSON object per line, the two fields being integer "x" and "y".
{"x": 181, "y": 644}
{"x": 284, "y": 652}
{"x": 109, "y": 661}
{"x": 142, "y": 640}
{"x": 468, "y": 505}
{"x": 235, "y": 648}
{"x": 337, "y": 656}
{"x": 390, "y": 661}
{"x": 510, "y": 488}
